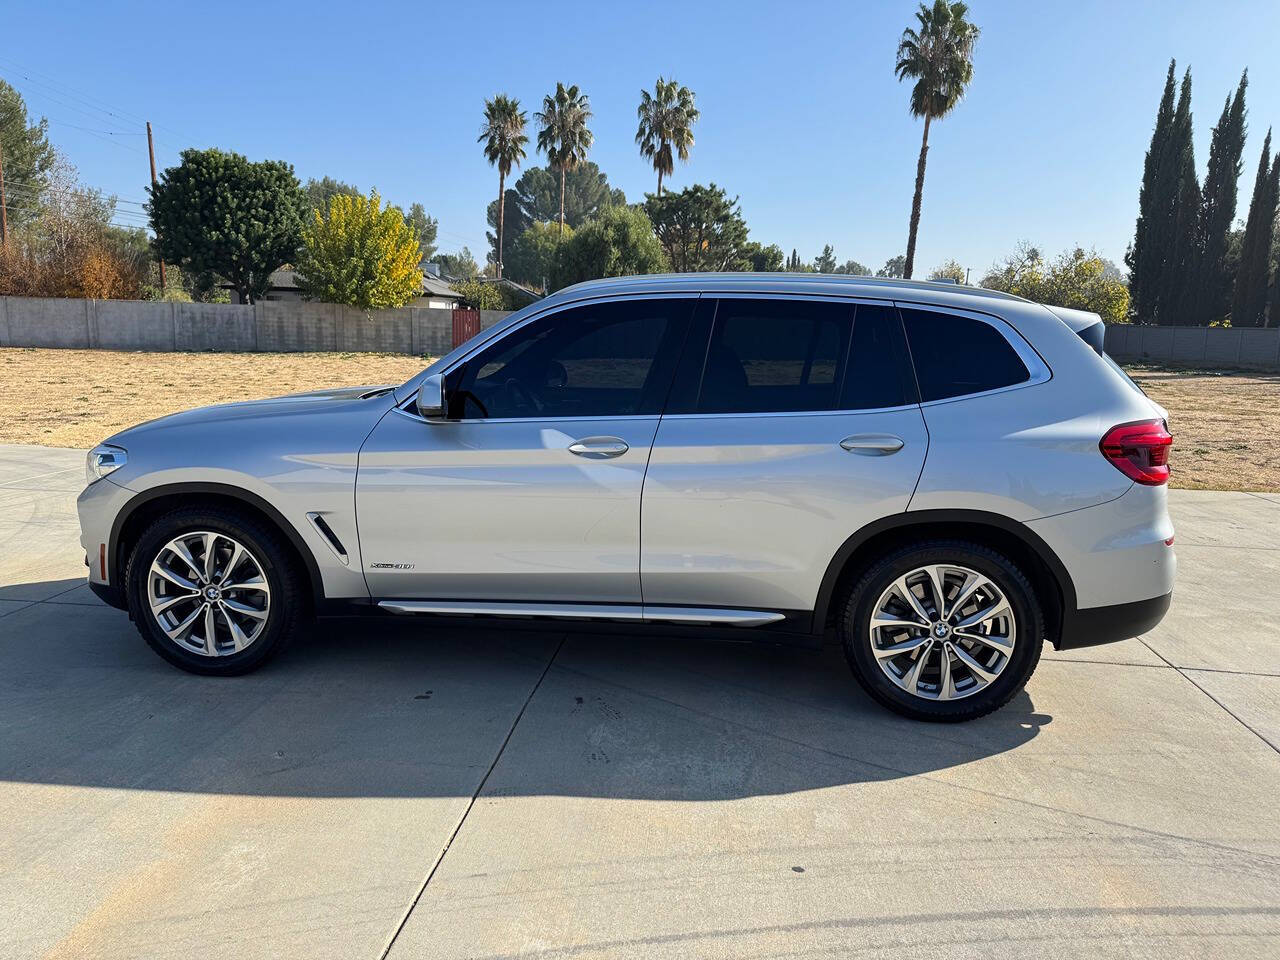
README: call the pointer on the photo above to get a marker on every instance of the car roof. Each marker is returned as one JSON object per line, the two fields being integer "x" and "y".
{"x": 821, "y": 284}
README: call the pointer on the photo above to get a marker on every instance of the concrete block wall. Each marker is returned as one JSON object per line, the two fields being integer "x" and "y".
{"x": 271, "y": 326}
{"x": 1245, "y": 347}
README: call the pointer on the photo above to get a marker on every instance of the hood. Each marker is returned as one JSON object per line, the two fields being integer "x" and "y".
{"x": 308, "y": 404}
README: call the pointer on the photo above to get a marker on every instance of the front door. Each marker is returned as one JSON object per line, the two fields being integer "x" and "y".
{"x": 800, "y": 426}
{"x": 530, "y": 490}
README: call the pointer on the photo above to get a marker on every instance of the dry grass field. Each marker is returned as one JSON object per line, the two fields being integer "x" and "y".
{"x": 75, "y": 398}
{"x": 1225, "y": 423}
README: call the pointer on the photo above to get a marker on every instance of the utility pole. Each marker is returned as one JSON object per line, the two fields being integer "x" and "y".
{"x": 4, "y": 213}
{"x": 151, "y": 150}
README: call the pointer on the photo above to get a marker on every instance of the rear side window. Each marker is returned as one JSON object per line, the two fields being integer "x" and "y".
{"x": 879, "y": 371}
{"x": 957, "y": 355}
{"x": 774, "y": 356}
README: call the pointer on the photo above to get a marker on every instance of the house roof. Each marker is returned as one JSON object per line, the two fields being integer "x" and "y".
{"x": 431, "y": 286}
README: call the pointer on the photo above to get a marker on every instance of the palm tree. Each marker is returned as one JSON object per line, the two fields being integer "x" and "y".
{"x": 564, "y": 136}
{"x": 503, "y": 138}
{"x": 939, "y": 57}
{"x": 666, "y": 117}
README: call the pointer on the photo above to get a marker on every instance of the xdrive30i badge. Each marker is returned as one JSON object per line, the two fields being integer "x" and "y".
{"x": 392, "y": 566}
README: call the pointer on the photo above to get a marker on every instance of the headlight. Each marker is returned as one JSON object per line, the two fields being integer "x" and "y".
{"x": 102, "y": 460}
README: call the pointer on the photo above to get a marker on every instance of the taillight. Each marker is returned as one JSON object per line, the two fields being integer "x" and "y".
{"x": 1140, "y": 451}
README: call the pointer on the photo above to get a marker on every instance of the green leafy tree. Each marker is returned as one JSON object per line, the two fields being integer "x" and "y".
{"x": 564, "y": 136}
{"x": 504, "y": 140}
{"x": 1079, "y": 279}
{"x": 27, "y": 154}
{"x": 666, "y": 119}
{"x": 700, "y": 228}
{"x": 461, "y": 264}
{"x": 1178, "y": 281}
{"x": 535, "y": 199}
{"x": 619, "y": 242}
{"x": 796, "y": 265}
{"x": 424, "y": 228}
{"x": 938, "y": 56}
{"x": 483, "y": 296}
{"x": 320, "y": 192}
{"x": 1147, "y": 254}
{"x": 1164, "y": 248}
{"x": 218, "y": 213}
{"x": 532, "y": 257}
{"x": 854, "y": 268}
{"x": 1249, "y": 303}
{"x": 1212, "y": 284}
{"x": 762, "y": 259}
{"x": 893, "y": 267}
{"x": 948, "y": 270}
{"x": 362, "y": 254}
{"x": 825, "y": 262}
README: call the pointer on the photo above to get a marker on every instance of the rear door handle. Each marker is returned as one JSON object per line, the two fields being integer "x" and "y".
{"x": 599, "y": 448}
{"x": 872, "y": 444}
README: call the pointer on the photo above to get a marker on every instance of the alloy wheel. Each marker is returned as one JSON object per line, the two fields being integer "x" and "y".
{"x": 942, "y": 632}
{"x": 208, "y": 593}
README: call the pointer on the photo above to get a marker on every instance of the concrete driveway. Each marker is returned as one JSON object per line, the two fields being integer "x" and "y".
{"x": 413, "y": 792}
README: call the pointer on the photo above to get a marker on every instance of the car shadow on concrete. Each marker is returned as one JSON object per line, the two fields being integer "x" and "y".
{"x": 399, "y": 708}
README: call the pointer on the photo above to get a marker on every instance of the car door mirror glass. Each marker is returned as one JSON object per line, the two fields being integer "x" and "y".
{"x": 430, "y": 401}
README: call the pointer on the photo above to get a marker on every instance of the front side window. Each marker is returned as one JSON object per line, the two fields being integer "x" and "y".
{"x": 599, "y": 360}
{"x": 957, "y": 355}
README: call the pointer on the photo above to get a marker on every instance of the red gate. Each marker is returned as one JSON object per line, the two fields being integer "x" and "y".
{"x": 466, "y": 324}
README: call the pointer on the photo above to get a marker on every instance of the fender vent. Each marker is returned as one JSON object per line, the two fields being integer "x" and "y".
{"x": 326, "y": 531}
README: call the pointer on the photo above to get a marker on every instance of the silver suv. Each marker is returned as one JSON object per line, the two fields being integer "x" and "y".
{"x": 946, "y": 476}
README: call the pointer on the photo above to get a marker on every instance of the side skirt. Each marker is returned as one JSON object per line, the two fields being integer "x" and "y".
{"x": 711, "y": 616}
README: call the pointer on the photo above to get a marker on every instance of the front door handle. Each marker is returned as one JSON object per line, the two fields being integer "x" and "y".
{"x": 599, "y": 448}
{"x": 872, "y": 444}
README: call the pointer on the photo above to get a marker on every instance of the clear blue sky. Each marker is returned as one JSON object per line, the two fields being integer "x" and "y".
{"x": 801, "y": 114}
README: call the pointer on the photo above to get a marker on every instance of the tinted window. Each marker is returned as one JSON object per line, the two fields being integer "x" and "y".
{"x": 879, "y": 370}
{"x": 957, "y": 355}
{"x": 600, "y": 360}
{"x": 774, "y": 356}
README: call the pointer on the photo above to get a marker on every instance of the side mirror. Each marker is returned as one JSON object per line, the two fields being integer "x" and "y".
{"x": 431, "y": 400}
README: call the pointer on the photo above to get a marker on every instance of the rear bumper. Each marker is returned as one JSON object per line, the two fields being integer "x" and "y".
{"x": 1120, "y": 621}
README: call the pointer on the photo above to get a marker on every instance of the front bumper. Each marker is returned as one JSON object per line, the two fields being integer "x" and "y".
{"x": 97, "y": 507}
{"x": 111, "y": 596}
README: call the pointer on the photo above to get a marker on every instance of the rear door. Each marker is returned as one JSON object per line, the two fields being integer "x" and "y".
{"x": 792, "y": 424}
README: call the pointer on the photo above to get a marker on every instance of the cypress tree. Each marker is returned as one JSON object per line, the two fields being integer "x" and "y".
{"x": 1176, "y": 280}
{"x": 1249, "y": 304}
{"x": 1218, "y": 211}
{"x": 1146, "y": 256}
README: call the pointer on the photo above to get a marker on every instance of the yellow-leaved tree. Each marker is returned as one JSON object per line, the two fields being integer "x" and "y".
{"x": 362, "y": 254}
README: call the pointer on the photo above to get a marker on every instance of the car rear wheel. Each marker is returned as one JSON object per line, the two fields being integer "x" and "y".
{"x": 944, "y": 630}
{"x": 213, "y": 592}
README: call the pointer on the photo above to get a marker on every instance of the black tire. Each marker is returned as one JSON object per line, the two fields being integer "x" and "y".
{"x": 279, "y": 566}
{"x": 854, "y": 629}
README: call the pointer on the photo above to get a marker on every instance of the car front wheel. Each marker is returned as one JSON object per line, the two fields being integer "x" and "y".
{"x": 213, "y": 592}
{"x": 943, "y": 631}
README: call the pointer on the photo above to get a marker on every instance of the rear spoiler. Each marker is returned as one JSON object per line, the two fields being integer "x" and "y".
{"x": 1087, "y": 326}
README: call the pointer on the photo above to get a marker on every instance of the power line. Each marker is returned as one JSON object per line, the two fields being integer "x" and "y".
{"x": 96, "y": 103}
{"x": 40, "y": 188}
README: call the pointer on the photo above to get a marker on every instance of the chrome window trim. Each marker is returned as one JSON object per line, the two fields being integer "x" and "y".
{"x": 1038, "y": 370}
{"x": 757, "y": 414}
